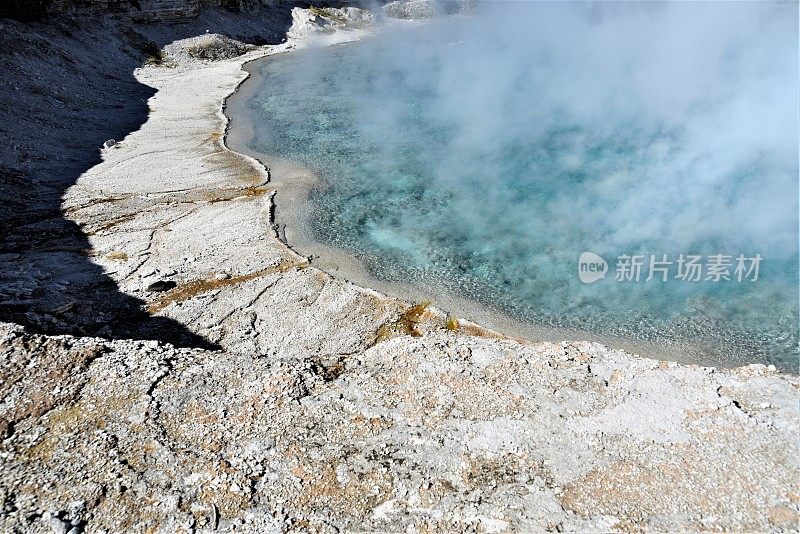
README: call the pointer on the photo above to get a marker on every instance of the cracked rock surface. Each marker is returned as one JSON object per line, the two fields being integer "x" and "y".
{"x": 325, "y": 407}
{"x": 444, "y": 432}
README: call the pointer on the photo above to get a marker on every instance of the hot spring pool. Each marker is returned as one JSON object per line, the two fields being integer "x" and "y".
{"x": 480, "y": 157}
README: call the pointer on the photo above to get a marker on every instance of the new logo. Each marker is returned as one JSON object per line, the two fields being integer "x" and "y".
{"x": 591, "y": 267}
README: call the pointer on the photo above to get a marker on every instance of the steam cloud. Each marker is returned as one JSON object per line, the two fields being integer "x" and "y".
{"x": 695, "y": 104}
{"x": 493, "y": 149}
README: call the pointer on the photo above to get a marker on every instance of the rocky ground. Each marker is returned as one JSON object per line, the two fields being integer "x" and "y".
{"x": 168, "y": 364}
{"x": 444, "y": 432}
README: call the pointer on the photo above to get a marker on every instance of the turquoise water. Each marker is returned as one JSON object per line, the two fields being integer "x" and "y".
{"x": 483, "y": 159}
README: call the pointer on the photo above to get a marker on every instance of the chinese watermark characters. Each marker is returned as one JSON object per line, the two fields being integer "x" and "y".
{"x": 663, "y": 268}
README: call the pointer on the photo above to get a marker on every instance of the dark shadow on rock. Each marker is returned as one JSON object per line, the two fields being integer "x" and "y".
{"x": 68, "y": 86}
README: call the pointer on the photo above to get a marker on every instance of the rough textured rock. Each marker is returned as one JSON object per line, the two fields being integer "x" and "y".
{"x": 425, "y": 9}
{"x": 70, "y": 89}
{"x": 410, "y": 9}
{"x": 40, "y": 373}
{"x": 211, "y": 47}
{"x": 440, "y": 433}
{"x": 143, "y": 10}
{"x": 318, "y": 23}
{"x": 325, "y": 407}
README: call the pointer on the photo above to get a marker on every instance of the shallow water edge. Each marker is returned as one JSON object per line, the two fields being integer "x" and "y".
{"x": 291, "y": 211}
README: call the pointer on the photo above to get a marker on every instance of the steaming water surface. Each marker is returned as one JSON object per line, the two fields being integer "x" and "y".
{"x": 481, "y": 156}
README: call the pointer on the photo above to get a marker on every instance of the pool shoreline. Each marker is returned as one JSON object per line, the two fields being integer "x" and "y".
{"x": 291, "y": 210}
{"x": 326, "y": 406}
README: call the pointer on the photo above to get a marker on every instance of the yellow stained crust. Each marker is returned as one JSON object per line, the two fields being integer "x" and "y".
{"x": 196, "y": 287}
